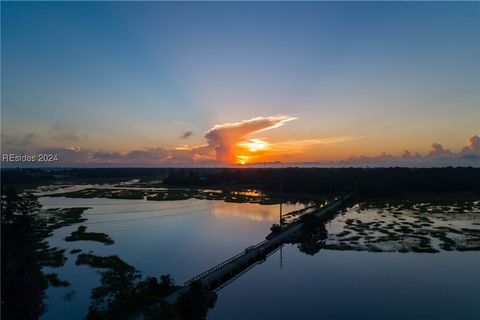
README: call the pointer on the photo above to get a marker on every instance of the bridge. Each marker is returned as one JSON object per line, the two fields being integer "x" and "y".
{"x": 225, "y": 272}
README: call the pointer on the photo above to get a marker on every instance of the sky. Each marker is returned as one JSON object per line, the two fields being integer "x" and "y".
{"x": 242, "y": 83}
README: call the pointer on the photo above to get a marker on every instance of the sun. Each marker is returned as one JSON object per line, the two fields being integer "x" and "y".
{"x": 242, "y": 159}
{"x": 250, "y": 150}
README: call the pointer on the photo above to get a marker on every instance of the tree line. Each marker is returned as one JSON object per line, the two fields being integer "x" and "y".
{"x": 366, "y": 181}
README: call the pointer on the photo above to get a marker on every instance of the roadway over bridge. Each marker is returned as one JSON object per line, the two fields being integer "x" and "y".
{"x": 225, "y": 272}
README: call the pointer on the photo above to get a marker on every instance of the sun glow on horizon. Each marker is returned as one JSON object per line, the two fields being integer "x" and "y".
{"x": 254, "y": 145}
{"x": 246, "y": 151}
{"x": 243, "y": 159}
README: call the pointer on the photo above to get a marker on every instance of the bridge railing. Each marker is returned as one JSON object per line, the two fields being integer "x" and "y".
{"x": 264, "y": 244}
{"x": 223, "y": 263}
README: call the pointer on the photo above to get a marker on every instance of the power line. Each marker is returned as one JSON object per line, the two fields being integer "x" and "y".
{"x": 146, "y": 210}
{"x": 140, "y": 218}
{"x": 133, "y": 219}
{"x": 107, "y": 204}
{"x": 156, "y": 226}
{"x": 139, "y": 201}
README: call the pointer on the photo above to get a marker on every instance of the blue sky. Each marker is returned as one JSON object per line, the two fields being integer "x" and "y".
{"x": 379, "y": 77}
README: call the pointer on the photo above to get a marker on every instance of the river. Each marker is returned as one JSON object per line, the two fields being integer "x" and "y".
{"x": 183, "y": 238}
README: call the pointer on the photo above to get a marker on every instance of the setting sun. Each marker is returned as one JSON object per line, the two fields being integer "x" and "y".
{"x": 243, "y": 159}
{"x": 250, "y": 150}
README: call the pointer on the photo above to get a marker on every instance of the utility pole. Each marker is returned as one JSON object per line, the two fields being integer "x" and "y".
{"x": 281, "y": 217}
{"x": 281, "y": 201}
{"x": 330, "y": 182}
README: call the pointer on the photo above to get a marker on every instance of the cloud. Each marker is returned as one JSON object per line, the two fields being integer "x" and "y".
{"x": 223, "y": 138}
{"x": 72, "y": 155}
{"x": 437, "y": 150}
{"x": 145, "y": 156}
{"x": 181, "y": 156}
{"x": 186, "y": 135}
{"x": 227, "y": 144}
{"x": 23, "y": 143}
{"x": 30, "y": 143}
{"x": 296, "y": 146}
{"x": 473, "y": 157}
{"x": 472, "y": 147}
{"x": 380, "y": 157}
{"x": 62, "y": 132}
{"x": 407, "y": 155}
{"x": 438, "y": 156}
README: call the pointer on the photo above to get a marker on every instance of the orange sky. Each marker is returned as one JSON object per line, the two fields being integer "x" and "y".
{"x": 256, "y": 140}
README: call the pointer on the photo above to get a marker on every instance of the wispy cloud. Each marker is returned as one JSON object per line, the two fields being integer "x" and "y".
{"x": 62, "y": 132}
{"x": 19, "y": 143}
{"x": 186, "y": 135}
{"x": 302, "y": 145}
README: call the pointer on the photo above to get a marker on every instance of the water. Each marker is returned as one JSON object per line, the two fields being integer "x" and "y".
{"x": 184, "y": 238}
{"x": 180, "y": 238}
{"x": 355, "y": 285}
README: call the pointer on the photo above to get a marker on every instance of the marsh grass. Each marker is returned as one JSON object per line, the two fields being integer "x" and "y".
{"x": 110, "y": 262}
{"x": 174, "y": 195}
{"x": 54, "y": 281}
{"x": 81, "y": 234}
{"x": 407, "y": 226}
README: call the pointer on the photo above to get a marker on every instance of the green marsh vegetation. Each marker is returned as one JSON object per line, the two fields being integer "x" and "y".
{"x": 55, "y": 218}
{"x": 82, "y": 234}
{"x": 109, "y": 262}
{"x": 236, "y": 196}
{"x": 407, "y": 226}
{"x": 132, "y": 194}
{"x": 54, "y": 281}
{"x": 431, "y": 225}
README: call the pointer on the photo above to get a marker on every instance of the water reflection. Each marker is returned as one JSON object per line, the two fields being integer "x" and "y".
{"x": 181, "y": 238}
{"x": 186, "y": 237}
{"x": 255, "y": 212}
{"x": 250, "y": 193}
{"x": 354, "y": 285}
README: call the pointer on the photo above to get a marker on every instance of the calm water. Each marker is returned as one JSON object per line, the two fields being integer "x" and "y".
{"x": 184, "y": 238}
{"x": 181, "y": 238}
{"x": 355, "y": 285}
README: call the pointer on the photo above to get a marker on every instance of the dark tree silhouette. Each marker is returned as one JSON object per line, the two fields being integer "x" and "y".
{"x": 23, "y": 283}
